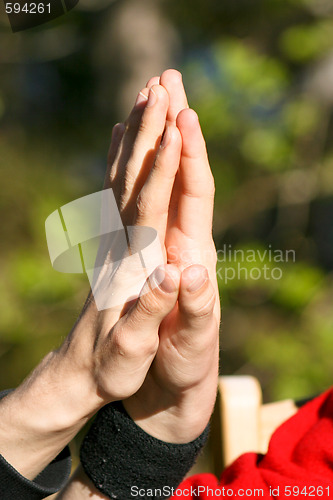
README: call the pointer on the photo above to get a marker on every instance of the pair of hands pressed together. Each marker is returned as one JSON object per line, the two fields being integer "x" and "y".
{"x": 160, "y": 353}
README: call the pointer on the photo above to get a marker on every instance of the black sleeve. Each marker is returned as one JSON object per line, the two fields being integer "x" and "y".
{"x": 13, "y": 486}
{"x": 120, "y": 458}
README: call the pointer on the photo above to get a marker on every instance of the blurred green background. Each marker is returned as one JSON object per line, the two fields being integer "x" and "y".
{"x": 260, "y": 75}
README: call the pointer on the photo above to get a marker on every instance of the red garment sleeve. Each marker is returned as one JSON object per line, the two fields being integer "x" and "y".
{"x": 298, "y": 463}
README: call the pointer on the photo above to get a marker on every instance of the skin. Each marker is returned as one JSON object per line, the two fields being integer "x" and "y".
{"x": 177, "y": 397}
{"x": 160, "y": 353}
{"x": 185, "y": 368}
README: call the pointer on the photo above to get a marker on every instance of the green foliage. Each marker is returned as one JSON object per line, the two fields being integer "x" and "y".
{"x": 38, "y": 304}
{"x": 304, "y": 43}
{"x": 264, "y": 128}
{"x": 249, "y": 68}
{"x": 298, "y": 285}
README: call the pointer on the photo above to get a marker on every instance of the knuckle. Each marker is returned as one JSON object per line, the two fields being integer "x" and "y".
{"x": 123, "y": 344}
{"x": 132, "y": 122}
{"x": 202, "y": 308}
{"x": 142, "y": 206}
{"x": 144, "y": 127}
{"x": 148, "y": 209}
{"x": 105, "y": 384}
{"x": 149, "y": 304}
{"x": 207, "y": 308}
{"x": 129, "y": 178}
{"x": 149, "y": 346}
{"x": 117, "y": 129}
{"x": 132, "y": 347}
{"x": 112, "y": 172}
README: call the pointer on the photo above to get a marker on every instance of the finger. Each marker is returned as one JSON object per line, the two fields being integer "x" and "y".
{"x": 128, "y": 137}
{"x": 154, "y": 198}
{"x": 172, "y": 81}
{"x": 173, "y": 206}
{"x": 116, "y": 137}
{"x": 196, "y": 300}
{"x": 157, "y": 299}
{"x": 155, "y": 80}
{"x": 195, "y": 207}
{"x": 126, "y": 352}
{"x": 117, "y": 134}
{"x": 146, "y": 144}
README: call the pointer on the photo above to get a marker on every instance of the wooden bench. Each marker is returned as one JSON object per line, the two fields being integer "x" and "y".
{"x": 241, "y": 422}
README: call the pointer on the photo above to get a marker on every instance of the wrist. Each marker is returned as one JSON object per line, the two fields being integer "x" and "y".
{"x": 174, "y": 419}
{"x": 114, "y": 465}
{"x": 42, "y": 415}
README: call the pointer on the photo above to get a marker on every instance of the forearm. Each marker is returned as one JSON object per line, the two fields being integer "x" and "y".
{"x": 71, "y": 384}
{"x": 44, "y": 413}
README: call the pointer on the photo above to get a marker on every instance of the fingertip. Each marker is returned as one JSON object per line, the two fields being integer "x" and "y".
{"x": 116, "y": 137}
{"x": 171, "y": 76}
{"x": 172, "y": 80}
{"x": 142, "y": 98}
{"x": 177, "y": 140}
{"x": 196, "y": 295}
{"x": 118, "y": 130}
{"x": 166, "y": 278}
{"x": 176, "y": 135}
{"x": 155, "y": 80}
{"x": 194, "y": 145}
{"x": 171, "y": 136}
{"x": 161, "y": 93}
{"x": 187, "y": 118}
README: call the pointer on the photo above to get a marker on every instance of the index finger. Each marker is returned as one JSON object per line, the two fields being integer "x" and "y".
{"x": 172, "y": 81}
{"x": 195, "y": 206}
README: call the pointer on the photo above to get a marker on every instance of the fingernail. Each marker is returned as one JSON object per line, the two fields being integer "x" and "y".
{"x": 164, "y": 281}
{"x": 142, "y": 98}
{"x": 166, "y": 138}
{"x": 199, "y": 278}
{"x": 152, "y": 98}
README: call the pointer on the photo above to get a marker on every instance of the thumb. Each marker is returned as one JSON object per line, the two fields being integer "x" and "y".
{"x": 196, "y": 298}
{"x": 157, "y": 299}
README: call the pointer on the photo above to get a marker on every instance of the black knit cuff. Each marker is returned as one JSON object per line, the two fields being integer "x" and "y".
{"x": 49, "y": 481}
{"x": 54, "y": 477}
{"x": 121, "y": 459}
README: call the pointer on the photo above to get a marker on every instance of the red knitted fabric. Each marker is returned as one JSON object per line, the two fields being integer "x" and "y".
{"x": 298, "y": 463}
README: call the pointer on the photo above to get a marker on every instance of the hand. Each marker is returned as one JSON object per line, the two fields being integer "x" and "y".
{"x": 108, "y": 353}
{"x": 178, "y": 395}
{"x": 141, "y": 172}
